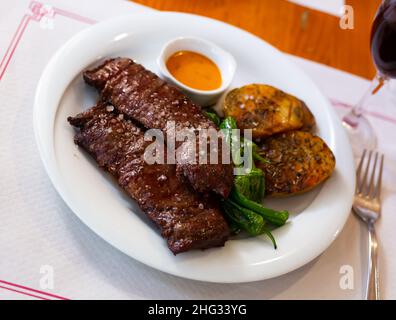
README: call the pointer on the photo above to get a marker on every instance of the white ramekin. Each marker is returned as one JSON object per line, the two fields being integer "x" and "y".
{"x": 224, "y": 61}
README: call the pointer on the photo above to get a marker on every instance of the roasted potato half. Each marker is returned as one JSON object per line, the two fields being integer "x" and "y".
{"x": 267, "y": 110}
{"x": 299, "y": 161}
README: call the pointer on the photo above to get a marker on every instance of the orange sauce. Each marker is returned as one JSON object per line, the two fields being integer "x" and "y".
{"x": 194, "y": 70}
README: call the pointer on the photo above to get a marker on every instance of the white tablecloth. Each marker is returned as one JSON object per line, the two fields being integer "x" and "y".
{"x": 38, "y": 230}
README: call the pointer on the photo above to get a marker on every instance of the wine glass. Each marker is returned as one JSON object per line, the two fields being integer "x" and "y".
{"x": 383, "y": 50}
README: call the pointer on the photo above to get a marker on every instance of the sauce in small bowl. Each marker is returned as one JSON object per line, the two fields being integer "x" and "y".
{"x": 194, "y": 70}
{"x": 198, "y": 67}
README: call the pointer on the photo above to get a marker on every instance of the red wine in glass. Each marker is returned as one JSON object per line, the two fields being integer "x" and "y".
{"x": 383, "y": 39}
{"x": 383, "y": 50}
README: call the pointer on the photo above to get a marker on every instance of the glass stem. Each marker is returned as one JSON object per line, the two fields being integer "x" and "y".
{"x": 357, "y": 111}
{"x": 376, "y": 84}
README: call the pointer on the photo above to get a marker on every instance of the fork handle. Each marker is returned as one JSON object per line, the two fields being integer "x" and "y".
{"x": 372, "y": 292}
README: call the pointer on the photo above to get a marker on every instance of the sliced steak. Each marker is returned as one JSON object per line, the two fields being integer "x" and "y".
{"x": 149, "y": 100}
{"x": 187, "y": 220}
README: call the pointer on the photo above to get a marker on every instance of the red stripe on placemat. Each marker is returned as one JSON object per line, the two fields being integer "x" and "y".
{"x": 21, "y": 29}
{"x": 12, "y": 40}
{"x": 374, "y": 114}
{"x": 14, "y": 43}
{"x": 74, "y": 16}
{"x": 31, "y": 289}
{"x": 24, "y": 293}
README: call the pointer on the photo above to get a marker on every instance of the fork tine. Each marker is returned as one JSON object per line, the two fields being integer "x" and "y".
{"x": 377, "y": 194}
{"x": 359, "y": 171}
{"x": 371, "y": 187}
{"x": 364, "y": 180}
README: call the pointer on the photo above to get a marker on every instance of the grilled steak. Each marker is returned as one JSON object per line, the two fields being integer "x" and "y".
{"x": 149, "y": 100}
{"x": 187, "y": 220}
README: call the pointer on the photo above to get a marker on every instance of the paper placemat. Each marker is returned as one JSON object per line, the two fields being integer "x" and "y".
{"x": 47, "y": 253}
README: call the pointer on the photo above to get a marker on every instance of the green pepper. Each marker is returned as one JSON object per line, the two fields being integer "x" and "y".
{"x": 242, "y": 208}
{"x": 228, "y": 123}
{"x": 246, "y": 219}
{"x": 269, "y": 235}
{"x": 251, "y": 185}
{"x": 278, "y": 218}
{"x": 212, "y": 115}
{"x": 227, "y": 126}
{"x": 257, "y": 156}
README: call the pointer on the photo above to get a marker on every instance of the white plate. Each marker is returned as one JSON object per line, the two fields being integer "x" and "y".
{"x": 317, "y": 218}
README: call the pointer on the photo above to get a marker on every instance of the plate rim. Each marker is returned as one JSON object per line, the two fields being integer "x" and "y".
{"x": 48, "y": 159}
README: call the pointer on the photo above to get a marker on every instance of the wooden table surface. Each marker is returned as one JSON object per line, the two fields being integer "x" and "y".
{"x": 294, "y": 29}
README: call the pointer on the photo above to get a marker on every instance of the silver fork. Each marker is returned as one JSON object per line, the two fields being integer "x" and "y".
{"x": 367, "y": 206}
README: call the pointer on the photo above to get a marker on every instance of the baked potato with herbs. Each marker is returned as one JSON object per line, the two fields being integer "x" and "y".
{"x": 267, "y": 110}
{"x": 298, "y": 161}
